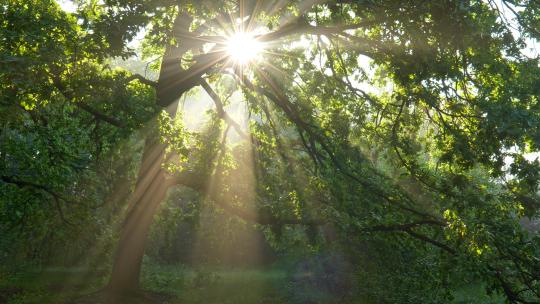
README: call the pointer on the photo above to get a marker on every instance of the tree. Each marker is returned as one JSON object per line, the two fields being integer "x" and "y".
{"x": 56, "y": 131}
{"x": 394, "y": 121}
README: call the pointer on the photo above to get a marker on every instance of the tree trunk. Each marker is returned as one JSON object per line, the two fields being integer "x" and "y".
{"x": 151, "y": 187}
{"x": 150, "y": 190}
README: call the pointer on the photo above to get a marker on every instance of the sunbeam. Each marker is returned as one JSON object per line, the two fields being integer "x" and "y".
{"x": 243, "y": 47}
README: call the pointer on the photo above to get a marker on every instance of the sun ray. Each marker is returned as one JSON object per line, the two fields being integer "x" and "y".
{"x": 243, "y": 48}
{"x": 253, "y": 14}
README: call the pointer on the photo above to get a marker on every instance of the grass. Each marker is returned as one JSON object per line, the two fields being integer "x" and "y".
{"x": 189, "y": 286}
{"x": 217, "y": 285}
{"x": 177, "y": 283}
{"x": 49, "y": 285}
{"x": 235, "y": 286}
{"x": 475, "y": 294}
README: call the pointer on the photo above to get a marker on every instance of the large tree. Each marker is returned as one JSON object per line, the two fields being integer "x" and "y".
{"x": 408, "y": 122}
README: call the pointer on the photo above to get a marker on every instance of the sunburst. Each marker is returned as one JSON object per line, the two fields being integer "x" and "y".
{"x": 243, "y": 47}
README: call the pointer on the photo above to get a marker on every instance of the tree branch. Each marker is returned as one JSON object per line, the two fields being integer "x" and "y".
{"x": 97, "y": 114}
{"x": 302, "y": 27}
{"x": 431, "y": 241}
{"x": 57, "y": 197}
{"x": 221, "y": 110}
{"x": 407, "y": 228}
{"x": 403, "y": 227}
{"x": 279, "y": 99}
{"x": 142, "y": 79}
{"x": 175, "y": 81}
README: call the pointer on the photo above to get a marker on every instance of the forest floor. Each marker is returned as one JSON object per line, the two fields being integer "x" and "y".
{"x": 162, "y": 284}
{"x": 168, "y": 285}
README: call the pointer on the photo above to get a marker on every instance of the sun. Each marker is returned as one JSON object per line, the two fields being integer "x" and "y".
{"x": 243, "y": 47}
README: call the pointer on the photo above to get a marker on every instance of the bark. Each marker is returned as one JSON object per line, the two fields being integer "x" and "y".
{"x": 150, "y": 190}
{"x": 151, "y": 187}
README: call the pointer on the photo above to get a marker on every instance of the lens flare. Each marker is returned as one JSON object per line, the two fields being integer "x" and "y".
{"x": 243, "y": 47}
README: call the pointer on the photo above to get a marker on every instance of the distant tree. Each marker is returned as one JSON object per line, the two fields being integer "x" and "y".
{"x": 401, "y": 123}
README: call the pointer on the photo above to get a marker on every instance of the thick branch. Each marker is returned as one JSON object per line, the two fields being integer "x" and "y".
{"x": 175, "y": 81}
{"x": 142, "y": 79}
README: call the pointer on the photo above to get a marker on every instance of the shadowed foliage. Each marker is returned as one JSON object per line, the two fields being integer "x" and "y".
{"x": 384, "y": 151}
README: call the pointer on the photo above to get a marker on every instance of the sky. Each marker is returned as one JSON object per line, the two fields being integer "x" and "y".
{"x": 67, "y": 5}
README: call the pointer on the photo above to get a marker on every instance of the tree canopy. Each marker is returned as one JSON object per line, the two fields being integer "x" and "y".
{"x": 403, "y": 133}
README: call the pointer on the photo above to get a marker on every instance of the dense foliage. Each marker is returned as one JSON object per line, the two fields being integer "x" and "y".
{"x": 65, "y": 118}
{"x": 396, "y": 135}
